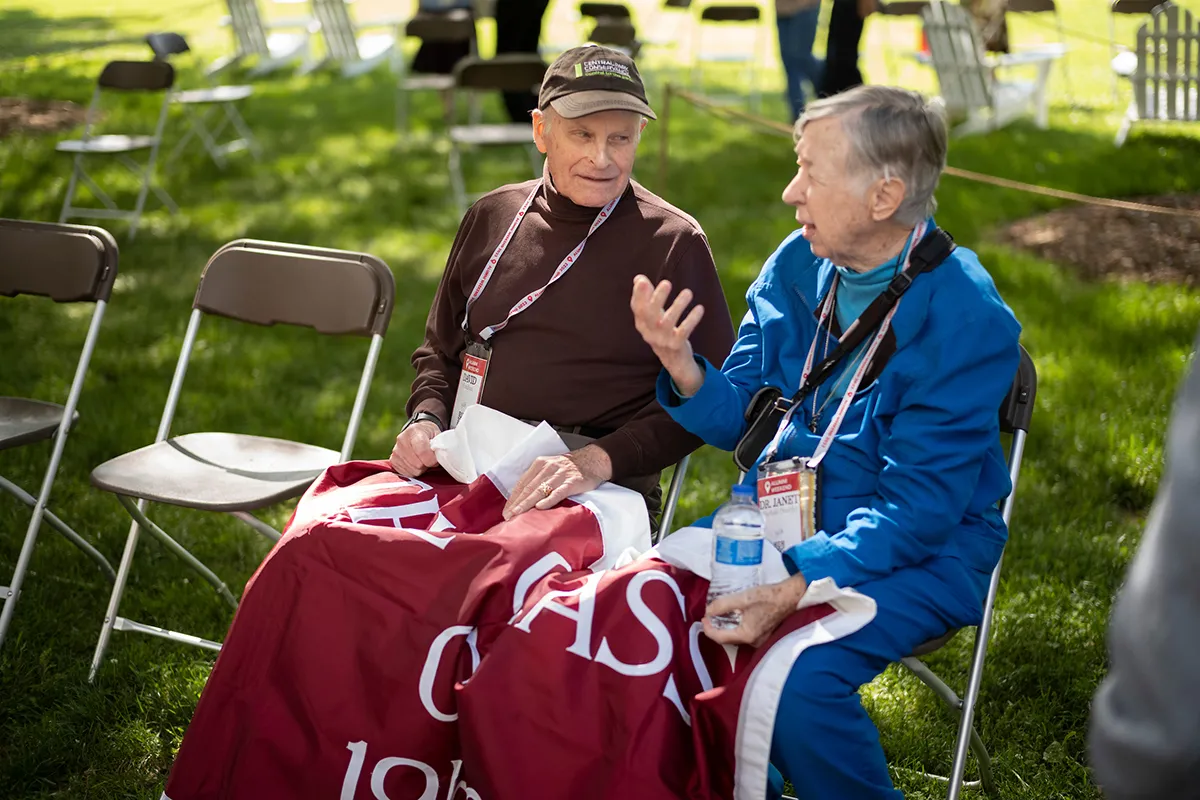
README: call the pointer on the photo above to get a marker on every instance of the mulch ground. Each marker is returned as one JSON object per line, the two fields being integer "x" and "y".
{"x": 18, "y": 114}
{"x": 1113, "y": 244}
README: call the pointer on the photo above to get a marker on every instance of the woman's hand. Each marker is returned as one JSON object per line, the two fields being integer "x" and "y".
{"x": 668, "y": 340}
{"x": 763, "y": 609}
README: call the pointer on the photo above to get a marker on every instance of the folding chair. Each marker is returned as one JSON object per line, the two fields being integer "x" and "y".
{"x": 966, "y": 76}
{"x": 516, "y": 72}
{"x": 120, "y": 76}
{"x": 617, "y": 33}
{"x": 1016, "y": 412}
{"x": 1128, "y": 7}
{"x": 200, "y": 104}
{"x": 451, "y": 26}
{"x": 671, "y": 504}
{"x": 357, "y": 53}
{"x": 68, "y": 264}
{"x": 1165, "y": 73}
{"x": 332, "y": 291}
{"x": 728, "y": 18}
{"x": 253, "y": 38}
{"x": 1047, "y": 7}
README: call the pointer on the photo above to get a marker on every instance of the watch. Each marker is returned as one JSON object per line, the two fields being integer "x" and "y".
{"x": 424, "y": 416}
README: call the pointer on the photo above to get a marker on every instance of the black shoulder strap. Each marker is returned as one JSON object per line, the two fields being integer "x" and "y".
{"x": 926, "y": 256}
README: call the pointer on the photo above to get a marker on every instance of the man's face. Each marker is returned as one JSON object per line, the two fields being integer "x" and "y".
{"x": 590, "y": 158}
{"x": 831, "y": 202}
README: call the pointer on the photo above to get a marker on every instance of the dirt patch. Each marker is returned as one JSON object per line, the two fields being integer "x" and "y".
{"x": 1113, "y": 244}
{"x": 21, "y": 115}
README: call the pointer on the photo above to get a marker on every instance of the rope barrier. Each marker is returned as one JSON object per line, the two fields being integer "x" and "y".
{"x": 774, "y": 127}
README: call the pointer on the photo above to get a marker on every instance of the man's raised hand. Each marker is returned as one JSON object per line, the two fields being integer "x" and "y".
{"x": 667, "y": 336}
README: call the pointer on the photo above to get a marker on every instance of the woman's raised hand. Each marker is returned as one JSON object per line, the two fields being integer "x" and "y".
{"x": 666, "y": 335}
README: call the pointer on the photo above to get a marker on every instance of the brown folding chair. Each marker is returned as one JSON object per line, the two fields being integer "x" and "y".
{"x": 510, "y": 72}
{"x": 616, "y": 33}
{"x": 728, "y": 18}
{"x": 126, "y": 77}
{"x": 444, "y": 26}
{"x": 334, "y": 292}
{"x": 68, "y": 264}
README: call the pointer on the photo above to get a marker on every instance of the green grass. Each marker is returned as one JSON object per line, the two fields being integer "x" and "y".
{"x": 1109, "y": 358}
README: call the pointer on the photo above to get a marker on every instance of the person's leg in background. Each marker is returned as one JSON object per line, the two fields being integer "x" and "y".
{"x": 824, "y": 742}
{"x": 519, "y": 30}
{"x": 797, "y": 33}
{"x": 841, "y": 49}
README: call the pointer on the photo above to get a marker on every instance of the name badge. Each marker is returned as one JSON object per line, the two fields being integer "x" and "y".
{"x": 787, "y": 497}
{"x": 470, "y": 380}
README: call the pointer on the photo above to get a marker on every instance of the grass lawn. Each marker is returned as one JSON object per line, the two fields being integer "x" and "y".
{"x": 1109, "y": 358}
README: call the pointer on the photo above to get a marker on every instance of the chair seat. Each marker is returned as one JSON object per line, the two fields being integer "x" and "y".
{"x": 24, "y": 421}
{"x": 217, "y": 94}
{"x": 491, "y": 134}
{"x": 109, "y": 143}
{"x": 215, "y": 471}
{"x": 374, "y": 45}
{"x": 285, "y": 45}
{"x": 934, "y": 644}
{"x": 419, "y": 83}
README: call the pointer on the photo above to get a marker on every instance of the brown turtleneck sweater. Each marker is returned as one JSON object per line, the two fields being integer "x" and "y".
{"x": 574, "y": 358}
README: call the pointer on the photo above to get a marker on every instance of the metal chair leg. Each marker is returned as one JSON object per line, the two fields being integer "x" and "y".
{"x": 62, "y": 527}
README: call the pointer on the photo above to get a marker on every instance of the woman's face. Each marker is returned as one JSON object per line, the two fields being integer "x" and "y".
{"x": 831, "y": 202}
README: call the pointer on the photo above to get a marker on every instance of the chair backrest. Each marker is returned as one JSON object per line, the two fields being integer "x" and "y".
{"x": 248, "y": 31}
{"x": 604, "y": 10}
{"x": 137, "y": 76}
{"x": 903, "y": 8}
{"x": 957, "y": 54}
{"x": 614, "y": 33}
{"x": 730, "y": 13}
{"x": 1134, "y": 6}
{"x": 1167, "y": 80}
{"x": 1032, "y": 6}
{"x": 510, "y": 72}
{"x": 165, "y": 45}
{"x": 67, "y": 263}
{"x": 337, "y": 29}
{"x": 331, "y": 291}
{"x": 447, "y": 26}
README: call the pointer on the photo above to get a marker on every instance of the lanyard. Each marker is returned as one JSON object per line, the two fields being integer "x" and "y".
{"x": 531, "y": 298}
{"x": 826, "y": 308}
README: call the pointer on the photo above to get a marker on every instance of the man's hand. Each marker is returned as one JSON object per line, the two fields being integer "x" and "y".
{"x": 763, "y": 609}
{"x": 670, "y": 342}
{"x": 412, "y": 454}
{"x": 552, "y": 479}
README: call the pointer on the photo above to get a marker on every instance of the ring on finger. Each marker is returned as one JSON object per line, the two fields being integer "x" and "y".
{"x": 546, "y": 489}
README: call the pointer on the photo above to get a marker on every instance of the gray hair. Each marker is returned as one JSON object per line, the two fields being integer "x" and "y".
{"x": 893, "y": 133}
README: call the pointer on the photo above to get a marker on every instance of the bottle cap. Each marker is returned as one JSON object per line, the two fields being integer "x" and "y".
{"x": 742, "y": 490}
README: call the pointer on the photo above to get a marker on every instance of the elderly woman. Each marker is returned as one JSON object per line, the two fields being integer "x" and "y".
{"x": 898, "y": 443}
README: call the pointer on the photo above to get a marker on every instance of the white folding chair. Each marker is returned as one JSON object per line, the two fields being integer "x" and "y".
{"x": 966, "y": 76}
{"x": 199, "y": 105}
{"x": 333, "y": 292}
{"x": 450, "y": 26}
{"x": 68, "y": 264}
{"x": 357, "y": 53}
{"x": 1048, "y": 7}
{"x": 510, "y": 72}
{"x": 1116, "y": 51}
{"x": 264, "y": 42}
{"x": 1165, "y": 72}
{"x": 720, "y": 26}
{"x": 127, "y": 77}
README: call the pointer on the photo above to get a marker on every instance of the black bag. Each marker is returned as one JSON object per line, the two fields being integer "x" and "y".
{"x": 768, "y": 406}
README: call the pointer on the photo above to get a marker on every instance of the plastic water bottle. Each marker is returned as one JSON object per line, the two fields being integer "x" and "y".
{"x": 737, "y": 551}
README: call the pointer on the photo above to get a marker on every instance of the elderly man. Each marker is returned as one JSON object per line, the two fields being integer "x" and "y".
{"x": 903, "y": 426}
{"x": 532, "y": 318}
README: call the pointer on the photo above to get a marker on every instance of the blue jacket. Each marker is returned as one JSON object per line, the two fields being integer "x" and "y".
{"x": 917, "y": 468}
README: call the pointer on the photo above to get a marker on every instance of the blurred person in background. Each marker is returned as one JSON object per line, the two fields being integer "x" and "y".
{"x": 519, "y": 30}
{"x": 797, "y": 23}
{"x": 841, "y": 45}
{"x": 1145, "y": 729}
